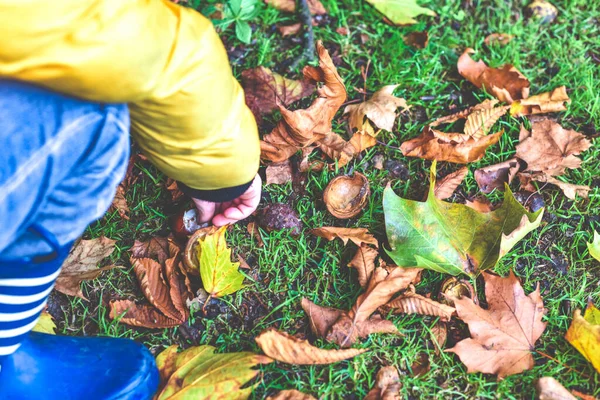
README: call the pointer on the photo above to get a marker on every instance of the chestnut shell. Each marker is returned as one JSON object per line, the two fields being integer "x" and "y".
{"x": 346, "y": 196}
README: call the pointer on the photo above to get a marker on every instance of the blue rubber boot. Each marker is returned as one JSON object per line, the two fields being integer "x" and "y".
{"x": 78, "y": 368}
{"x": 61, "y": 367}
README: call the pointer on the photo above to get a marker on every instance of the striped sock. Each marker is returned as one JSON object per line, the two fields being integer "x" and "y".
{"x": 23, "y": 295}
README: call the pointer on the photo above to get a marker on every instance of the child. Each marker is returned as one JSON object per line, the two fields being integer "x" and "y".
{"x": 75, "y": 77}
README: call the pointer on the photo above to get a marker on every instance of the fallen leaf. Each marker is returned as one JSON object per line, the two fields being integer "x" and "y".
{"x": 342, "y": 30}
{"x": 199, "y": 373}
{"x": 553, "y": 101}
{"x": 420, "y": 366}
{"x": 439, "y": 334}
{"x": 219, "y": 275}
{"x": 176, "y": 193}
{"x": 362, "y": 141}
{"x": 315, "y": 6}
{"x": 378, "y": 161}
{"x": 498, "y": 175}
{"x": 379, "y": 109}
{"x": 507, "y": 84}
{"x": 81, "y": 264}
{"x": 412, "y": 303}
{"x": 417, "y": 39}
{"x": 364, "y": 263}
{"x": 45, "y": 324}
{"x": 446, "y": 186}
{"x": 119, "y": 203}
{"x": 584, "y": 334}
{"x": 594, "y": 246}
{"x": 549, "y": 388}
{"x": 307, "y": 165}
{"x": 255, "y": 233}
{"x": 320, "y": 318}
{"x": 551, "y": 149}
{"x": 501, "y": 39}
{"x": 337, "y": 149}
{"x": 480, "y": 204}
{"x": 451, "y": 147}
{"x": 265, "y": 90}
{"x": 504, "y": 334}
{"x": 156, "y": 247}
{"x": 357, "y": 322}
{"x": 356, "y": 235}
{"x": 480, "y": 121}
{"x": 288, "y": 30}
{"x": 279, "y": 173}
{"x": 400, "y": 12}
{"x": 130, "y": 313}
{"x": 570, "y": 190}
{"x": 291, "y": 395}
{"x": 387, "y": 385}
{"x": 451, "y": 238}
{"x": 288, "y": 349}
{"x": 464, "y": 114}
{"x": 302, "y": 128}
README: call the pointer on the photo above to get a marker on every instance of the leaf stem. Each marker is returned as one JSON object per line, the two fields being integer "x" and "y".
{"x": 562, "y": 364}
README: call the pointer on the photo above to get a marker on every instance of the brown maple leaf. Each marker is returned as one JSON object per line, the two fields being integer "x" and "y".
{"x": 497, "y": 175}
{"x": 265, "y": 90}
{"x": 553, "y": 101}
{"x": 119, "y": 203}
{"x": 505, "y": 83}
{"x": 82, "y": 264}
{"x": 549, "y": 148}
{"x": 279, "y": 173}
{"x": 379, "y": 109}
{"x": 504, "y": 334}
{"x": 410, "y": 302}
{"x": 356, "y": 235}
{"x": 364, "y": 263}
{"x": 387, "y": 385}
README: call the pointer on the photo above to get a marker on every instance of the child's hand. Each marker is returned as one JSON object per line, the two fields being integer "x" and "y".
{"x": 232, "y": 211}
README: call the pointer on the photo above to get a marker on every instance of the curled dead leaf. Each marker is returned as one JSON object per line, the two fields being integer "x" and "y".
{"x": 387, "y": 385}
{"x": 356, "y": 235}
{"x": 445, "y": 187}
{"x": 279, "y": 173}
{"x": 346, "y": 196}
{"x": 553, "y": 101}
{"x": 364, "y": 263}
{"x": 379, "y": 109}
{"x": 497, "y": 175}
{"x": 412, "y": 303}
{"x": 506, "y": 83}
{"x": 288, "y": 349}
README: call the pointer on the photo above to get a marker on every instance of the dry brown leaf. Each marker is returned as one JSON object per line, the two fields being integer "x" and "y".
{"x": 507, "y": 84}
{"x": 279, "y": 173}
{"x": 308, "y": 165}
{"x": 255, "y": 233}
{"x": 504, "y": 335}
{"x": 119, "y": 203}
{"x": 155, "y": 287}
{"x": 315, "y": 6}
{"x": 378, "y": 161}
{"x": 288, "y": 30}
{"x": 176, "y": 193}
{"x": 451, "y": 147}
{"x": 497, "y": 175}
{"x": 303, "y": 127}
{"x": 265, "y": 90}
{"x": 549, "y": 388}
{"x": 487, "y": 104}
{"x": 156, "y": 247}
{"x": 446, "y": 186}
{"x": 362, "y": 141}
{"x": 553, "y": 101}
{"x": 288, "y": 349}
{"x": 380, "y": 109}
{"x": 387, "y": 385}
{"x": 481, "y": 204}
{"x": 420, "y": 40}
{"x": 412, "y": 303}
{"x": 337, "y": 149}
{"x": 551, "y": 149}
{"x": 480, "y": 121}
{"x": 439, "y": 334}
{"x": 140, "y": 315}
{"x": 357, "y": 322}
{"x": 291, "y": 395}
{"x": 356, "y": 235}
{"x": 82, "y": 264}
{"x": 498, "y": 39}
{"x": 364, "y": 263}
{"x": 321, "y": 318}
{"x": 570, "y": 190}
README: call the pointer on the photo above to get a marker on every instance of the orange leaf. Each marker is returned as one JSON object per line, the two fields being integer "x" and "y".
{"x": 387, "y": 385}
{"x": 446, "y": 186}
{"x": 356, "y": 235}
{"x": 364, "y": 263}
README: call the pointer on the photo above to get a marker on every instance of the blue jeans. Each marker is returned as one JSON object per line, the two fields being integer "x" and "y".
{"x": 61, "y": 160}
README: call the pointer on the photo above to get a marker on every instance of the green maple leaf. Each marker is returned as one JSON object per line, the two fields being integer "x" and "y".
{"x": 199, "y": 373}
{"x": 219, "y": 275}
{"x": 401, "y": 12}
{"x": 594, "y": 247}
{"x": 453, "y": 238}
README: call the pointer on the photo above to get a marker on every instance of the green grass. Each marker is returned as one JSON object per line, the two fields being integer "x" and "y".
{"x": 288, "y": 268}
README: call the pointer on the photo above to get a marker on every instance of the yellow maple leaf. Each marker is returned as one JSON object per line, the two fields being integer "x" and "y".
{"x": 219, "y": 275}
{"x": 584, "y": 334}
{"x": 45, "y": 324}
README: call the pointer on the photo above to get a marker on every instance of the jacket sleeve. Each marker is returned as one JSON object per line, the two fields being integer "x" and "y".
{"x": 187, "y": 110}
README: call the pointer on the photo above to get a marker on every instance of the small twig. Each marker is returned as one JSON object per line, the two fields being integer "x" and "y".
{"x": 561, "y": 364}
{"x": 305, "y": 17}
{"x": 365, "y": 75}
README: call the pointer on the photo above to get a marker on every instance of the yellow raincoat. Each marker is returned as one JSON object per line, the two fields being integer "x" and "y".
{"x": 187, "y": 110}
